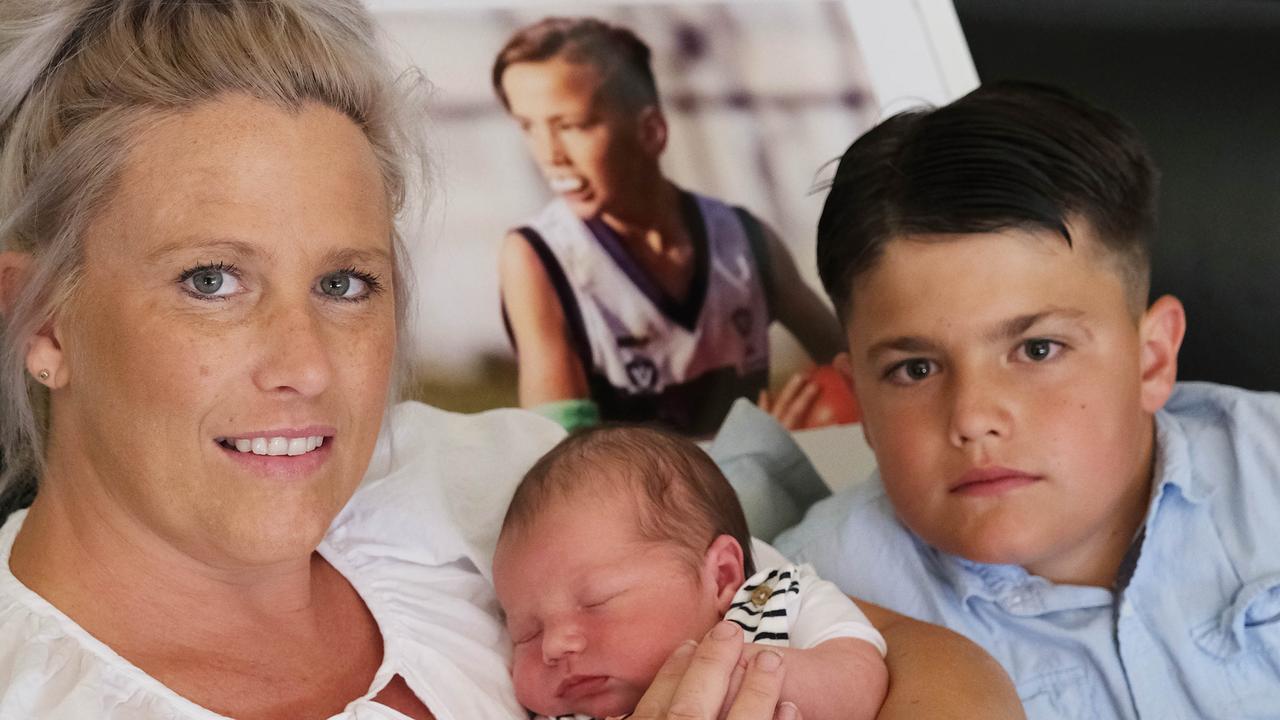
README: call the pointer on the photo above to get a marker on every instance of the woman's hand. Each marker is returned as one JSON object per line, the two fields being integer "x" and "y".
{"x": 696, "y": 681}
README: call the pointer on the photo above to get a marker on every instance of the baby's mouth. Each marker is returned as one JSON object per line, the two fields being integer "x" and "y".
{"x": 579, "y": 685}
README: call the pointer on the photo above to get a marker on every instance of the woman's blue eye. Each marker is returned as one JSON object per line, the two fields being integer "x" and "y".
{"x": 211, "y": 281}
{"x": 337, "y": 285}
{"x": 349, "y": 284}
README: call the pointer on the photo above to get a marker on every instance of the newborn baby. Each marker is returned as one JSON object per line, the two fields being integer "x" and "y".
{"x": 621, "y": 544}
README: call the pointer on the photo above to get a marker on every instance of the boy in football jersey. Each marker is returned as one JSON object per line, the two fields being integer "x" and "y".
{"x": 628, "y": 297}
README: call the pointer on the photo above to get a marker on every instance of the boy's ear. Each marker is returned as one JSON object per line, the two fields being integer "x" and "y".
{"x": 722, "y": 570}
{"x": 1160, "y": 335}
{"x": 843, "y": 364}
{"x": 653, "y": 130}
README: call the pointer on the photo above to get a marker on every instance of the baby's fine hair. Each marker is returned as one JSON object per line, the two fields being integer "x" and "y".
{"x": 1009, "y": 155}
{"x": 680, "y": 495}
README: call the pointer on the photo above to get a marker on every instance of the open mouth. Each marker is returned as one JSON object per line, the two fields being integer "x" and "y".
{"x": 566, "y": 183}
{"x": 275, "y": 446}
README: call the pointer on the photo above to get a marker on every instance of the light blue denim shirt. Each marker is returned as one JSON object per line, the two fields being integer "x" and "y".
{"x": 1194, "y": 634}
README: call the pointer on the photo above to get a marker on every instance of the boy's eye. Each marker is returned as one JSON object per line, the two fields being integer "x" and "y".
{"x": 210, "y": 281}
{"x": 1040, "y": 349}
{"x": 911, "y": 371}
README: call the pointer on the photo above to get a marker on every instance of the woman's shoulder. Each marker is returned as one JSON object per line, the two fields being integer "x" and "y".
{"x": 49, "y": 667}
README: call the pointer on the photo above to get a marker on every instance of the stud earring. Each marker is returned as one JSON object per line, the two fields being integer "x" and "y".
{"x": 43, "y": 375}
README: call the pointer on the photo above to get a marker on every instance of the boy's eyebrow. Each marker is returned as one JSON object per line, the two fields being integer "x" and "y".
{"x": 1003, "y": 331}
{"x": 906, "y": 344}
{"x": 1015, "y": 326}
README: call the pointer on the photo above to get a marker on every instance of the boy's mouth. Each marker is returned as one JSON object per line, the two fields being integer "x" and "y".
{"x": 562, "y": 184}
{"x": 991, "y": 481}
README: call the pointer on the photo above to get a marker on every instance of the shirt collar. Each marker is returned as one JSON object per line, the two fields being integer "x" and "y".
{"x": 1173, "y": 467}
{"x": 1011, "y": 587}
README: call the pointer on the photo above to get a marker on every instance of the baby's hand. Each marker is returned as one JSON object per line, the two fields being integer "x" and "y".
{"x": 841, "y": 678}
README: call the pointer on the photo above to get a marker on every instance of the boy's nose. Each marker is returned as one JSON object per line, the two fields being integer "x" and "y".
{"x": 978, "y": 412}
{"x": 548, "y": 148}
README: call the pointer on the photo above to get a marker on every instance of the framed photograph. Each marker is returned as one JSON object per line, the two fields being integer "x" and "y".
{"x": 759, "y": 98}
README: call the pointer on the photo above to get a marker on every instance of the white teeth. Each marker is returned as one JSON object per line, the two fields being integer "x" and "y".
{"x": 566, "y": 183}
{"x": 276, "y": 445}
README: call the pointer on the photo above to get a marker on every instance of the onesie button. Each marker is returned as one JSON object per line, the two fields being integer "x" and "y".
{"x": 761, "y": 595}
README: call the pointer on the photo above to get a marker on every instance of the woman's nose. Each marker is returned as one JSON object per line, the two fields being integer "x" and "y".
{"x": 295, "y": 353}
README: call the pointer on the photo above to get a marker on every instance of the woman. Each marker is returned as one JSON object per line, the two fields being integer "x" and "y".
{"x": 202, "y": 301}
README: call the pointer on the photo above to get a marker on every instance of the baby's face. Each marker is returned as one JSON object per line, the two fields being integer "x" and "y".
{"x": 593, "y": 609}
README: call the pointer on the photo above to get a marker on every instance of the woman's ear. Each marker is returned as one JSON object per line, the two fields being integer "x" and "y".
{"x": 45, "y": 359}
{"x": 1160, "y": 335}
{"x": 722, "y": 570}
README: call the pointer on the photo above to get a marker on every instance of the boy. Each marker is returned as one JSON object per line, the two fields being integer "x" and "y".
{"x": 628, "y": 298}
{"x": 622, "y": 543}
{"x": 1043, "y": 487}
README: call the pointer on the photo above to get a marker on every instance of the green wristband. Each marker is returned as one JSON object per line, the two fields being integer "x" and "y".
{"x": 570, "y": 414}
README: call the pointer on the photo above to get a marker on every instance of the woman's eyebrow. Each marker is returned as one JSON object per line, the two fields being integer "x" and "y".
{"x": 358, "y": 256}
{"x": 229, "y": 245}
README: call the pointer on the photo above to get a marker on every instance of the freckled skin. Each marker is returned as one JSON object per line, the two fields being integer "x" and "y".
{"x": 157, "y": 373}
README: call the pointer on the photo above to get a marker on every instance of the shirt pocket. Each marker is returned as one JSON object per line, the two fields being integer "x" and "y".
{"x": 1245, "y": 641}
{"x": 1064, "y": 694}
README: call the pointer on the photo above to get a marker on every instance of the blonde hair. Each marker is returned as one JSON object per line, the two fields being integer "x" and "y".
{"x": 79, "y": 79}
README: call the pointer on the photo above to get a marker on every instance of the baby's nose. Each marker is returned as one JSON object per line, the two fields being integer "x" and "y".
{"x": 562, "y": 640}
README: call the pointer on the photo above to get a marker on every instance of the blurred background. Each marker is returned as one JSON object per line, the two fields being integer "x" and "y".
{"x": 1198, "y": 79}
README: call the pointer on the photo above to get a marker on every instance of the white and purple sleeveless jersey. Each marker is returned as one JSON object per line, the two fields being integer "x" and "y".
{"x": 647, "y": 356}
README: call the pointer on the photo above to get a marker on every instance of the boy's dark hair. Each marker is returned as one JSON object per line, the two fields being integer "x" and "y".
{"x": 1007, "y": 155}
{"x": 620, "y": 56}
{"x": 680, "y": 495}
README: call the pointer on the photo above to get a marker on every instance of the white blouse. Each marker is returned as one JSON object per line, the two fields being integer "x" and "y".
{"x": 415, "y": 541}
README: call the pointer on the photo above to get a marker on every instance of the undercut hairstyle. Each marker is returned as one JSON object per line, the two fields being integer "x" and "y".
{"x": 622, "y": 59}
{"x": 81, "y": 81}
{"x": 1008, "y": 155}
{"x": 679, "y": 494}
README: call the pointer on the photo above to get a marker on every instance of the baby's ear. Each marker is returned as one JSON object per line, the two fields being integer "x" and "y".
{"x": 722, "y": 570}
